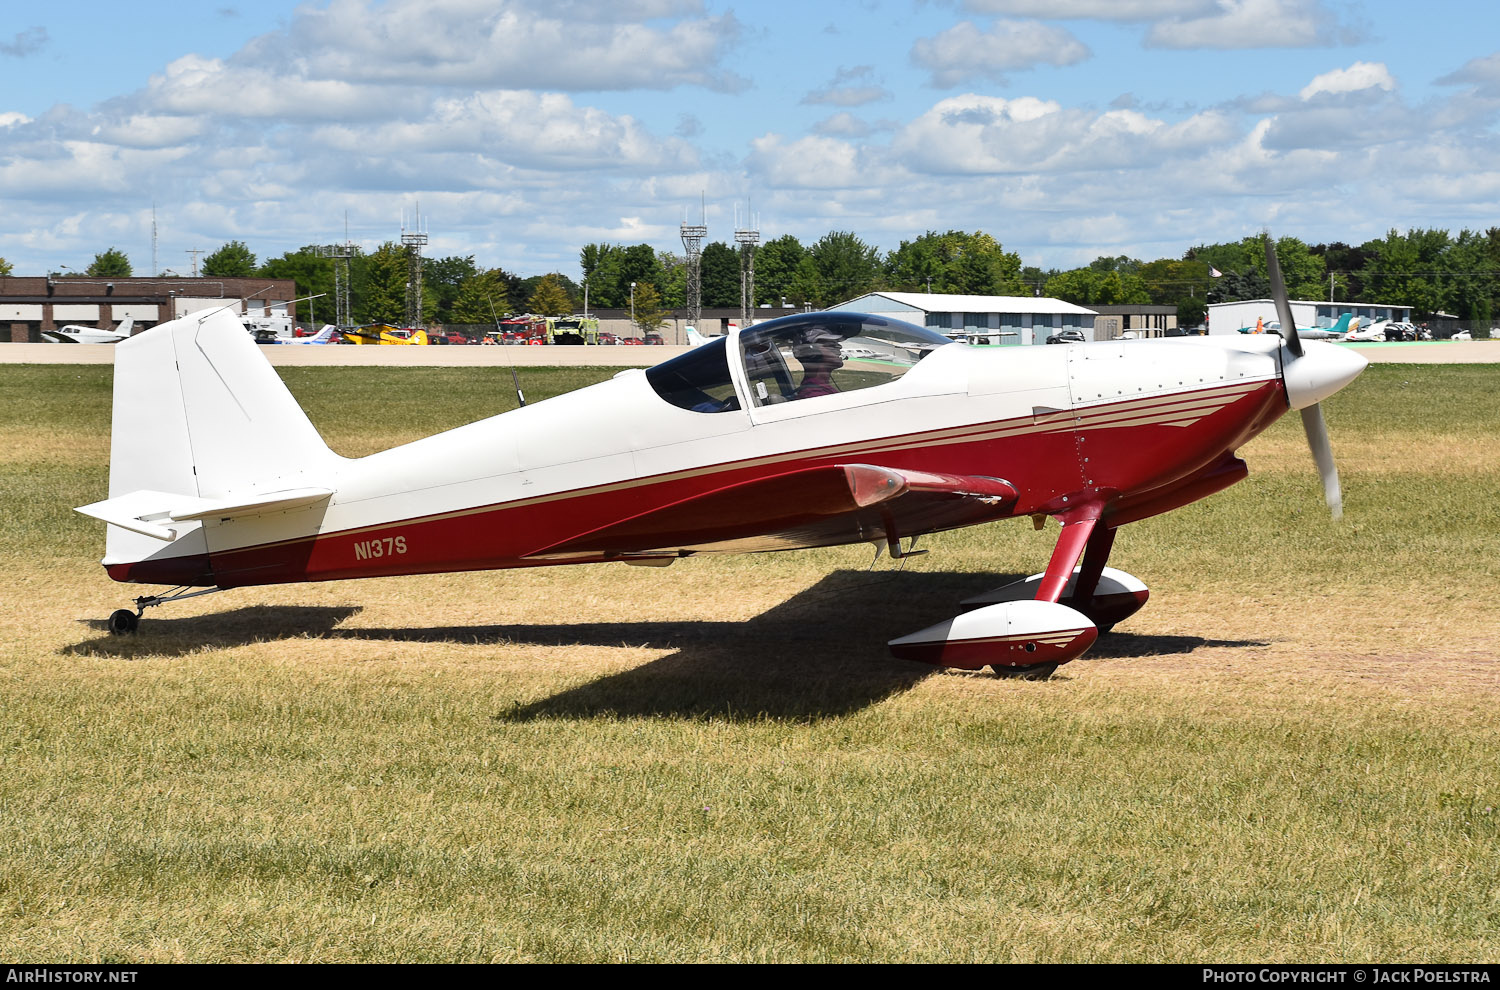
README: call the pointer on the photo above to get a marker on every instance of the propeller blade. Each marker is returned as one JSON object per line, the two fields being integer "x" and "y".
{"x": 1283, "y": 305}
{"x": 1322, "y": 451}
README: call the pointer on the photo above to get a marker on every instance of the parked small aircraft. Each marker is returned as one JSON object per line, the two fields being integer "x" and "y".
{"x": 1368, "y": 332}
{"x": 760, "y": 440}
{"x": 328, "y": 335}
{"x": 383, "y": 333}
{"x": 75, "y": 334}
{"x": 1335, "y": 332}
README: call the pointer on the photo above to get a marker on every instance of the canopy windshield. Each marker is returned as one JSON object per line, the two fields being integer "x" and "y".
{"x": 818, "y": 354}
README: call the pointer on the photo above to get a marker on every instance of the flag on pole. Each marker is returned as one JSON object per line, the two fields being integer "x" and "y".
{"x": 1215, "y": 272}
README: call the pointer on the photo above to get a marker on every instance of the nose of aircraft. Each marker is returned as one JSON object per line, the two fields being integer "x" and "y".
{"x": 1322, "y": 370}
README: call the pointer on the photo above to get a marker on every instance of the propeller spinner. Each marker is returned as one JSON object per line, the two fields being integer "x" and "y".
{"x": 1310, "y": 373}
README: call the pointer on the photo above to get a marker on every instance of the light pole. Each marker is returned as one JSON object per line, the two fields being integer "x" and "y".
{"x": 632, "y": 304}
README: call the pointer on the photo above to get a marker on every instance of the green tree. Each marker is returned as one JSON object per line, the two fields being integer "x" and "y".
{"x": 1093, "y": 286}
{"x": 721, "y": 275}
{"x": 481, "y": 298}
{"x": 1344, "y": 264}
{"x": 649, "y": 314}
{"x": 775, "y": 267}
{"x": 443, "y": 276}
{"x": 550, "y": 297}
{"x": 312, "y": 274}
{"x": 1243, "y": 265}
{"x": 233, "y": 260}
{"x": 6, "y": 267}
{"x": 1170, "y": 281}
{"x": 1119, "y": 263}
{"x": 109, "y": 264}
{"x": 378, "y": 285}
{"x": 600, "y": 264}
{"x": 954, "y": 262}
{"x": 672, "y": 279}
{"x": 610, "y": 268}
{"x": 845, "y": 267}
{"x": 1405, "y": 269}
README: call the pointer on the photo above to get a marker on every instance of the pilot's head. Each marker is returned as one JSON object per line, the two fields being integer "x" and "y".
{"x": 819, "y": 348}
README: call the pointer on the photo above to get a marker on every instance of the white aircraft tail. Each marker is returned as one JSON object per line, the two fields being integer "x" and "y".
{"x": 694, "y": 338}
{"x": 124, "y": 328}
{"x": 202, "y": 425}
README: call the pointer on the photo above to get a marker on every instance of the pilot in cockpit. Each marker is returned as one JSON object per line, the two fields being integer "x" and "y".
{"x": 820, "y": 355}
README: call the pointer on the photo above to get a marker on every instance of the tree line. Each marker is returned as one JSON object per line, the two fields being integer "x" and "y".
{"x": 1430, "y": 270}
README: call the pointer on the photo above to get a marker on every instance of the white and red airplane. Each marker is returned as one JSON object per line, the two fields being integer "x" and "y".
{"x": 766, "y": 439}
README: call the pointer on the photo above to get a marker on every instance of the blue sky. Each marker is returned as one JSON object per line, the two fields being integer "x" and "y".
{"x": 527, "y": 128}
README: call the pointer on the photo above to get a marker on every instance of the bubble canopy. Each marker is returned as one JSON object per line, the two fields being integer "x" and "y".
{"x": 795, "y": 358}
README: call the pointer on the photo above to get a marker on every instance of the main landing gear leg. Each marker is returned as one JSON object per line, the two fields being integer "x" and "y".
{"x": 1078, "y": 533}
{"x": 1095, "y": 556}
{"x": 123, "y": 621}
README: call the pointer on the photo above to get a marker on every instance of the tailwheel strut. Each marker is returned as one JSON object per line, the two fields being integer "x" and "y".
{"x": 122, "y": 621}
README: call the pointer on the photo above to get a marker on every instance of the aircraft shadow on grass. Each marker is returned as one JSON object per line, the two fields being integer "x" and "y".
{"x": 821, "y": 653}
{"x": 177, "y": 636}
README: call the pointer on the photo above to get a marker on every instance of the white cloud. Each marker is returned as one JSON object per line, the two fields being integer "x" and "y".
{"x": 1360, "y": 75}
{"x": 506, "y": 44}
{"x": 24, "y": 43}
{"x": 812, "y": 163}
{"x": 149, "y": 131}
{"x": 1249, "y": 24}
{"x": 974, "y": 134}
{"x": 850, "y": 88}
{"x": 11, "y": 119}
{"x": 964, "y": 52}
{"x": 196, "y": 85}
{"x": 842, "y": 125}
{"x": 1483, "y": 73}
{"x": 531, "y": 130}
{"x": 1103, "y": 10}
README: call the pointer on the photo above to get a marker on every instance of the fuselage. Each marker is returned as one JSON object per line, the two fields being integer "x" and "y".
{"x": 1136, "y": 427}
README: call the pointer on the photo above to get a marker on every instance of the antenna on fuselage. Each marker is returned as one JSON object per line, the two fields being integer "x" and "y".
{"x": 500, "y": 339}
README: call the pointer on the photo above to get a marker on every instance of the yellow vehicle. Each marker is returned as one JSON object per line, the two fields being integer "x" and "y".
{"x": 572, "y": 330}
{"x": 383, "y": 333}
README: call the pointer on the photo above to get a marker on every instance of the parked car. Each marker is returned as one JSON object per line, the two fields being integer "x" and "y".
{"x": 1069, "y": 336}
{"x": 653, "y": 338}
{"x": 630, "y": 340}
{"x": 606, "y": 337}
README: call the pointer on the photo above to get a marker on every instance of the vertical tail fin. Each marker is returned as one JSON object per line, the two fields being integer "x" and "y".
{"x": 199, "y": 414}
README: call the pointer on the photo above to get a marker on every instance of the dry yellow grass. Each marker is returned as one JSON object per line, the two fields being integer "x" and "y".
{"x": 1289, "y": 754}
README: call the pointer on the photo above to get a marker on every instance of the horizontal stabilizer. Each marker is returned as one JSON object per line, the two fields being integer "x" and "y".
{"x": 145, "y": 511}
{"x": 820, "y": 506}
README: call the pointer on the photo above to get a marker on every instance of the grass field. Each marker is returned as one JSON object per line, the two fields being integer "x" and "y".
{"x": 1290, "y": 754}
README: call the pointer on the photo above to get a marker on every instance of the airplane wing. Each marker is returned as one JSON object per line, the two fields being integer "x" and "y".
{"x": 821, "y": 506}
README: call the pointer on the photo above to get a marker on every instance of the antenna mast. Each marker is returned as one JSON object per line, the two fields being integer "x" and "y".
{"x": 692, "y": 243}
{"x": 340, "y": 254}
{"x": 748, "y": 238}
{"x": 414, "y": 242}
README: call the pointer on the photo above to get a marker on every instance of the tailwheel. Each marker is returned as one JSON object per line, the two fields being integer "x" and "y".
{"x": 122, "y": 621}
{"x": 1033, "y": 672}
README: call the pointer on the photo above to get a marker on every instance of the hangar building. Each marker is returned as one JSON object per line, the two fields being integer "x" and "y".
{"x": 1228, "y": 317}
{"x": 31, "y": 304}
{"x": 1010, "y": 319}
